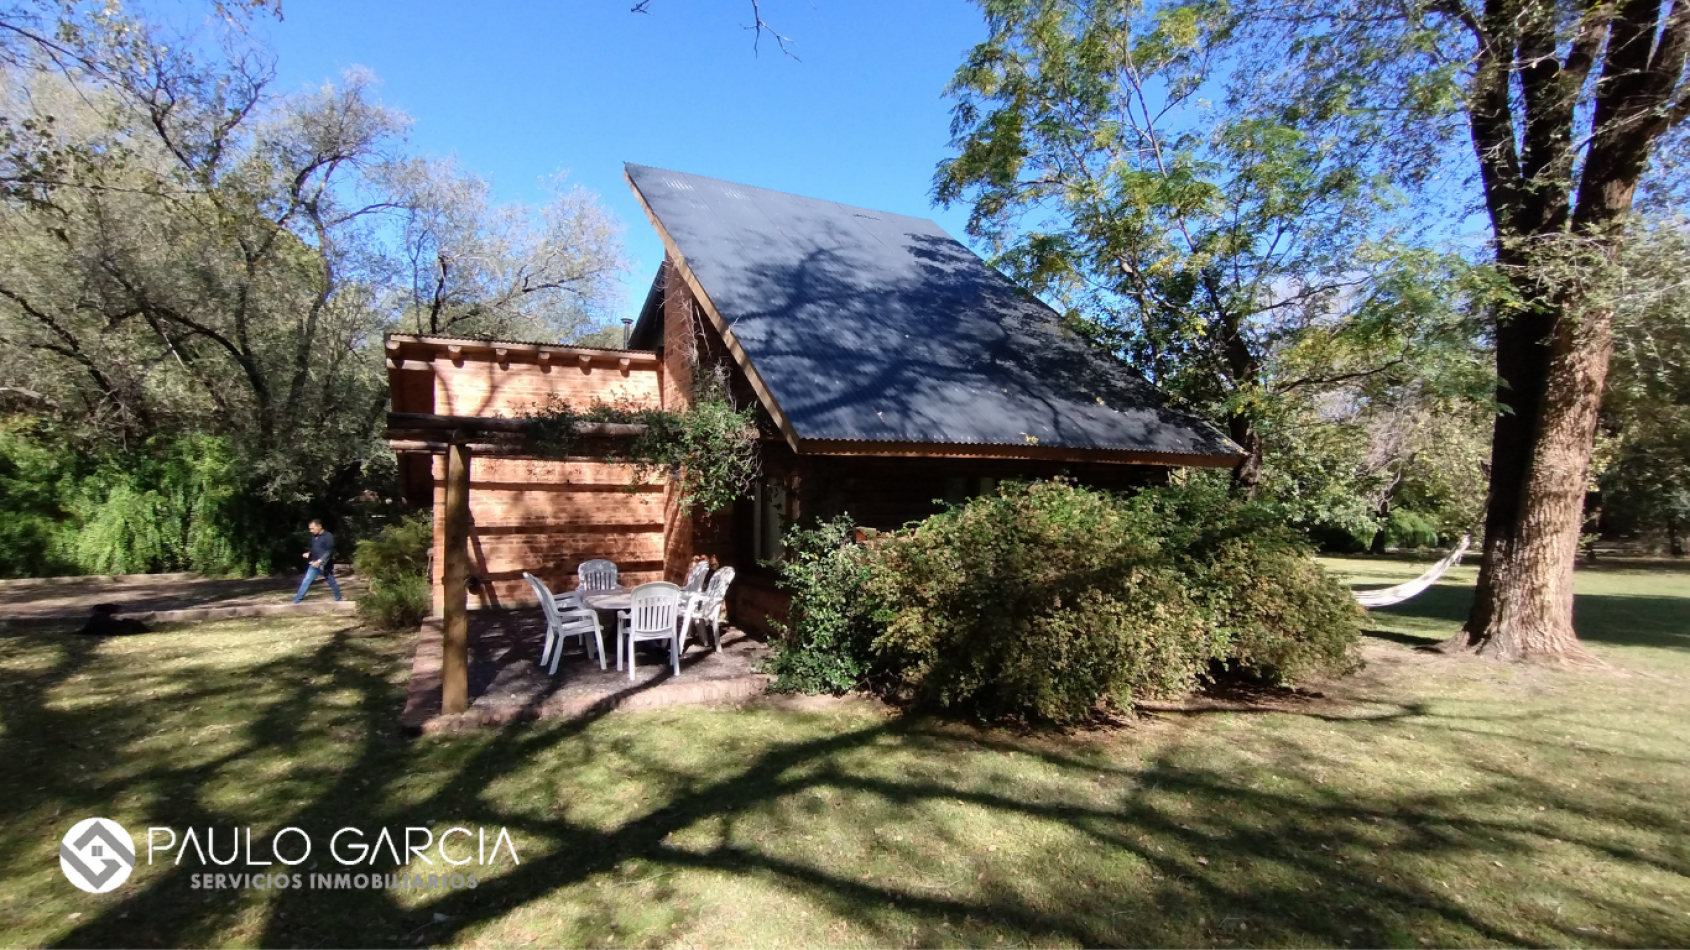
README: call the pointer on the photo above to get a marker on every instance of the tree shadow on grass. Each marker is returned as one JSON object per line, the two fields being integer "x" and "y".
{"x": 1175, "y": 850}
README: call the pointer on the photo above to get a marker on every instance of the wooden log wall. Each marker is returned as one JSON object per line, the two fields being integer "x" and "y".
{"x": 546, "y": 517}
{"x": 540, "y": 516}
{"x": 479, "y": 384}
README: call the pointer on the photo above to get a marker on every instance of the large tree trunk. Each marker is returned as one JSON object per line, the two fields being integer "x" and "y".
{"x": 1553, "y": 220}
{"x": 1540, "y": 462}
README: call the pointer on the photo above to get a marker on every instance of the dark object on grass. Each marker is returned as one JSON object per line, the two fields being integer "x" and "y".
{"x": 106, "y": 623}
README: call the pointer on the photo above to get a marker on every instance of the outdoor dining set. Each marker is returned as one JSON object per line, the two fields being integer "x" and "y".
{"x": 658, "y": 611}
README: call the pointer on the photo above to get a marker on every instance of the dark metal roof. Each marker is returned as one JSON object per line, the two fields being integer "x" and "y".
{"x": 871, "y": 326}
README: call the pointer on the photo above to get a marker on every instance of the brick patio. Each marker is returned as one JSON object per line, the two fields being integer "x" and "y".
{"x": 507, "y": 683}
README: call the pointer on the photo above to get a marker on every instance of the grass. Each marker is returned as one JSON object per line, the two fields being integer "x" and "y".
{"x": 1426, "y": 801}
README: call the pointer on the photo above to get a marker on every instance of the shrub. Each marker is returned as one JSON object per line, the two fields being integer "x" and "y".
{"x": 395, "y": 562}
{"x": 826, "y": 646}
{"x": 397, "y": 550}
{"x": 1036, "y": 603}
{"x": 1046, "y": 600}
{"x": 1410, "y": 529}
{"x": 34, "y": 528}
{"x": 1280, "y": 615}
{"x": 399, "y": 603}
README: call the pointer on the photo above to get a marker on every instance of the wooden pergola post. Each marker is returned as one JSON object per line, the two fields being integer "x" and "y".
{"x": 454, "y": 661}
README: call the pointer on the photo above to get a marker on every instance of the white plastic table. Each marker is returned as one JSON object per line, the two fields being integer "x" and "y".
{"x": 620, "y": 598}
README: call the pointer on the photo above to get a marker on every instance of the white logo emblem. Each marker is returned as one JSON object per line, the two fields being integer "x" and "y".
{"x": 97, "y": 855}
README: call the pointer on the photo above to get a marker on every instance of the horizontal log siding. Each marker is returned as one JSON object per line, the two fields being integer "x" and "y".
{"x": 547, "y": 517}
{"x": 472, "y": 387}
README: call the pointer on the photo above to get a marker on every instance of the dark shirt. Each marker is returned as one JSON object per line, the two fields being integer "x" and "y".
{"x": 322, "y": 549}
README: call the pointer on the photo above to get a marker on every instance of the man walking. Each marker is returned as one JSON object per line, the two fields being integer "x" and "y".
{"x": 319, "y": 561}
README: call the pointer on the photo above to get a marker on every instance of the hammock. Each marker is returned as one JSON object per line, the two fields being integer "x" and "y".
{"x": 1388, "y": 596}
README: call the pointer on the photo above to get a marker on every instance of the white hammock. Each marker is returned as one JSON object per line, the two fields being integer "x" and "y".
{"x": 1396, "y": 595}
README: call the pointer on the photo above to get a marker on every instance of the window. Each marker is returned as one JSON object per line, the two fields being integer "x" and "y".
{"x": 768, "y": 519}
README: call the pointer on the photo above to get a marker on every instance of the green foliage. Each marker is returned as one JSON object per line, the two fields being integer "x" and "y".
{"x": 1282, "y": 616}
{"x": 1046, "y": 600}
{"x": 1646, "y": 406}
{"x": 709, "y": 450}
{"x": 1037, "y": 604}
{"x": 398, "y": 604}
{"x": 176, "y": 504}
{"x": 1405, "y": 528}
{"x": 397, "y": 550}
{"x": 185, "y": 250}
{"x": 1233, "y": 256}
{"x": 395, "y": 562}
{"x": 827, "y": 644}
{"x": 34, "y": 476}
{"x": 1254, "y": 577}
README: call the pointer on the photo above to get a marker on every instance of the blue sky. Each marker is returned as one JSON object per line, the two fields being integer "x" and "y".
{"x": 519, "y": 91}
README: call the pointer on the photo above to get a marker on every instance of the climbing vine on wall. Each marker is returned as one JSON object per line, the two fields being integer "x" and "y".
{"x": 709, "y": 451}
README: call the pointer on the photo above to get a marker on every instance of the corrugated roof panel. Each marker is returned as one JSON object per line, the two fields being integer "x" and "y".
{"x": 872, "y": 326}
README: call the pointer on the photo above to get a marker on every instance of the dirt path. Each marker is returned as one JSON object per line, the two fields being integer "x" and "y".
{"x": 169, "y": 592}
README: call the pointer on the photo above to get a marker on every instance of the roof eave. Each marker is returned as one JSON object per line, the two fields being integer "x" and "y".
{"x": 1041, "y": 452}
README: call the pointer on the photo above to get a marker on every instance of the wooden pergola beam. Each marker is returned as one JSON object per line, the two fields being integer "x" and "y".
{"x": 476, "y": 426}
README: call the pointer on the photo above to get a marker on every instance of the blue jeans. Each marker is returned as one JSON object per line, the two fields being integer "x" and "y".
{"x": 311, "y": 574}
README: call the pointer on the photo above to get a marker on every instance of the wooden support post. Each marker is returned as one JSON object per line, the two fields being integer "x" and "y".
{"x": 454, "y": 660}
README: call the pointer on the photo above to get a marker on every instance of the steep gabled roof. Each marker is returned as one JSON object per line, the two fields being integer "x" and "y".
{"x": 869, "y": 330}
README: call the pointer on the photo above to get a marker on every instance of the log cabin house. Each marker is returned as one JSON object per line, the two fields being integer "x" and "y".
{"x": 891, "y": 369}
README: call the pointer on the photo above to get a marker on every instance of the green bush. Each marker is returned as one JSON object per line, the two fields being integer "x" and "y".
{"x": 827, "y": 643}
{"x": 1282, "y": 616}
{"x": 1045, "y": 601}
{"x": 179, "y": 504}
{"x": 399, "y": 603}
{"x": 1410, "y": 529}
{"x": 397, "y": 550}
{"x": 34, "y": 528}
{"x": 395, "y": 562}
{"x": 1036, "y": 603}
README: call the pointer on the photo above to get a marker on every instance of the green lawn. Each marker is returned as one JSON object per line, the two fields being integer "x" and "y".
{"x": 1425, "y": 801}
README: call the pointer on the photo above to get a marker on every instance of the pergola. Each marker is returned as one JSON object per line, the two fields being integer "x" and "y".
{"x": 457, "y": 438}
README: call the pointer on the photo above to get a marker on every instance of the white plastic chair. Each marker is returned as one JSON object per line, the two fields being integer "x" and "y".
{"x": 695, "y": 579}
{"x": 596, "y": 575}
{"x": 708, "y": 605}
{"x": 566, "y": 618}
{"x": 653, "y": 614}
{"x": 691, "y": 591}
